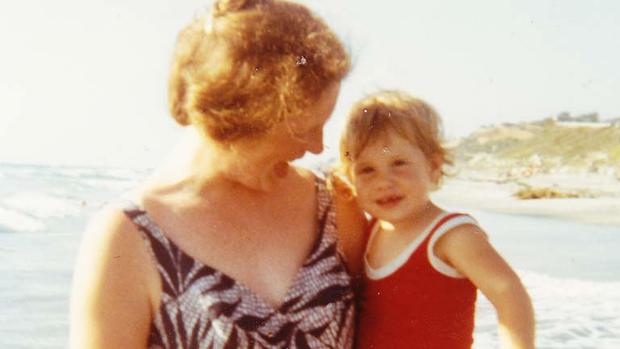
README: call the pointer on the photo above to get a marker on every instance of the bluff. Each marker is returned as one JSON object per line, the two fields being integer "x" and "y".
{"x": 554, "y": 145}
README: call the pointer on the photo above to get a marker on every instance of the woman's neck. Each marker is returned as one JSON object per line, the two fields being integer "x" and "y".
{"x": 198, "y": 163}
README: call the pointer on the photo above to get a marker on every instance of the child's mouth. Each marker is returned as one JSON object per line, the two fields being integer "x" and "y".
{"x": 389, "y": 201}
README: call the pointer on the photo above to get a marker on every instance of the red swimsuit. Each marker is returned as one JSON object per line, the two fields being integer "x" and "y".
{"x": 414, "y": 305}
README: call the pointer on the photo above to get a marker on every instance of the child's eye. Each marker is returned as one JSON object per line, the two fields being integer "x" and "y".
{"x": 399, "y": 162}
{"x": 365, "y": 170}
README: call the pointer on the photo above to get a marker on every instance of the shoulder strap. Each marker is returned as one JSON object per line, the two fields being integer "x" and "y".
{"x": 448, "y": 223}
{"x": 169, "y": 260}
{"x": 323, "y": 197}
{"x": 143, "y": 222}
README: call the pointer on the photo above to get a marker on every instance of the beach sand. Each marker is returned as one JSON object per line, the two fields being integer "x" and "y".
{"x": 489, "y": 193}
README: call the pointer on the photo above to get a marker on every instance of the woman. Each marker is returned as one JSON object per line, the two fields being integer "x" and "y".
{"x": 231, "y": 246}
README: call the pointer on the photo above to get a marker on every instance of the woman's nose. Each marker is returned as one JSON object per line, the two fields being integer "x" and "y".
{"x": 315, "y": 143}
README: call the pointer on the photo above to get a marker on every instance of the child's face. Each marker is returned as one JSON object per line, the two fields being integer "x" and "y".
{"x": 392, "y": 178}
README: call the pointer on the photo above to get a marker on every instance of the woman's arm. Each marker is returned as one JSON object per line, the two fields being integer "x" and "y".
{"x": 467, "y": 249}
{"x": 111, "y": 299}
{"x": 351, "y": 223}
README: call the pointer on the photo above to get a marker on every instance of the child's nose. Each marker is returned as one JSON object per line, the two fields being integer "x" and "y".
{"x": 385, "y": 180}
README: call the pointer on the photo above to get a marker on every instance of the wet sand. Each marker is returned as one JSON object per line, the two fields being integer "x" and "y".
{"x": 496, "y": 195}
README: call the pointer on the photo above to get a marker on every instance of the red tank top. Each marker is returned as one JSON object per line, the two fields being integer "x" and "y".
{"x": 416, "y": 306}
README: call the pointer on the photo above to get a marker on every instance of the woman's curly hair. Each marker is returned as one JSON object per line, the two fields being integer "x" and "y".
{"x": 251, "y": 64}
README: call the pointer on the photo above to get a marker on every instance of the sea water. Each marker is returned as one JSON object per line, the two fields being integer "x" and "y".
{"x": 572, "y": 271}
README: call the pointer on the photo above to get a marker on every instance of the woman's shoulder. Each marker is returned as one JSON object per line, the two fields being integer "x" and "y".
{"x": 113, "y": 282}
{"x": 111, "y": 233}
{"x": 308, "y": 181}
{"x": 113, "y": 251}
{"x": 307, "y": 176}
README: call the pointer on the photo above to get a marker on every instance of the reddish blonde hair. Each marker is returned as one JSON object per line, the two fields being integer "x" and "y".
{"x": 252, "y": 64}
{"x": 396, "y": 111}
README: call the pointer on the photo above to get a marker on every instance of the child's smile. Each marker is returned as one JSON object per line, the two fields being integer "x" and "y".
{"x": 389, "y": 201}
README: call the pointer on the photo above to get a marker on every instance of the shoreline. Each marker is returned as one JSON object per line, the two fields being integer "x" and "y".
{"x": 497, "y": 196}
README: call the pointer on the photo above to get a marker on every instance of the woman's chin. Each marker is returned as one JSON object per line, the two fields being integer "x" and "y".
{"x": 281, "y": 169}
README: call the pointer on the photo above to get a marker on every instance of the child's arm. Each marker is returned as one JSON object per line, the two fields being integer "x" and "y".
{"x": 467, "y": 249}
{"x": 351, "y": 223}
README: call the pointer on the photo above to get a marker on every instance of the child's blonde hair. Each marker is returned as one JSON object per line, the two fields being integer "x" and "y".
{"x": 411, "y": 117}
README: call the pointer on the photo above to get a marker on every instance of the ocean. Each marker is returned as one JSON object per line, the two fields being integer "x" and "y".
{"x": 571, "y": 270}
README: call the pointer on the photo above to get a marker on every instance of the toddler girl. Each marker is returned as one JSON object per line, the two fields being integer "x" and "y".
{"x": 422, "y": 264}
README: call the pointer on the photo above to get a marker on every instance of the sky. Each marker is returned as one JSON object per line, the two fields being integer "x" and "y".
{"x": 83, "y": 83}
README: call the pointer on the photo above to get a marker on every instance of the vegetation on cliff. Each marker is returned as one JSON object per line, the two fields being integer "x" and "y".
{"x": 549, "y": 145}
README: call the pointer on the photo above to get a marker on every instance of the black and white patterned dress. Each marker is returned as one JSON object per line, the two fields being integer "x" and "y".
{"x": 202, "y": 307}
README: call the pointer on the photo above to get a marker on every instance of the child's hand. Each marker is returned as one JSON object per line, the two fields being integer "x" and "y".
{"x": 339, "y": 186}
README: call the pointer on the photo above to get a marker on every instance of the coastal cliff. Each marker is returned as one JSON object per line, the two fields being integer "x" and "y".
{"x": 571, "y": 164}
{"x": 563, "y": 148}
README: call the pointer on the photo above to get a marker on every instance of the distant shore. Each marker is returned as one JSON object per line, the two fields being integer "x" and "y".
{"x": 497, "y": 195}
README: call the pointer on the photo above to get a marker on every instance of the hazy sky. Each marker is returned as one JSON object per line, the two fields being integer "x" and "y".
{"x": 84, "y": 82}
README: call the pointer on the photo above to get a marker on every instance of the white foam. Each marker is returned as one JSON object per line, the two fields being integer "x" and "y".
{"x": 570, "y": 313}
{"x": 108, "y": 184}
{"x": 118, "y": 174}
{"x": 41, "y": 205}
{"x": 19, "y": 222}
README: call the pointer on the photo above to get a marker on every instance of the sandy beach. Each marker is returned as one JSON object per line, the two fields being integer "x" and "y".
{"x": 600, "y": 203}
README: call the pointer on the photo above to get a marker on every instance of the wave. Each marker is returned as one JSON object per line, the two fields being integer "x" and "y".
{"x": 43, "y": 198}
{"x": 42, "y": 205}
{"x": 42, "y": 171}
{"x": 101, "y": 174}
{"x": 570, "y": 313}
{"x": 14, "y": 221}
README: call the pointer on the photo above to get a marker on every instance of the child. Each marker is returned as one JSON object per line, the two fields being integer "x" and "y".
{"x": 422, "y": 264}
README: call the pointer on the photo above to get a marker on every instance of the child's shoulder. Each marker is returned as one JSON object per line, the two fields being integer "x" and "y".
{"x": 458, "y": 237}
{"x": 461, "y": 219}
{"x": 456, "y": 222}
{"x": 457, "y": 230}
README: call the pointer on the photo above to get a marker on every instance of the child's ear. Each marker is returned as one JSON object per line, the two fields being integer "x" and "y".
{"x": 436, "y": 162}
